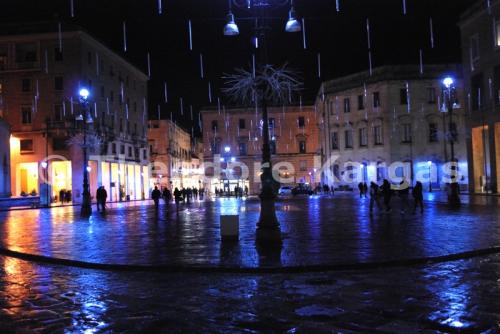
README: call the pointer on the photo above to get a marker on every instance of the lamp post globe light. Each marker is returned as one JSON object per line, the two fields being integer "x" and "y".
{"x": 268, "y": 227}
{"x": 85, "y": 116}
{"x": 449, "y": 94}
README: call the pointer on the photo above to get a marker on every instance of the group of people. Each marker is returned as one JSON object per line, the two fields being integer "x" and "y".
{"x": 386, "y": 192}
{"x": 179, "y": 195}
{"x": 363, "y": 189}
{"x": 238, "y": 191}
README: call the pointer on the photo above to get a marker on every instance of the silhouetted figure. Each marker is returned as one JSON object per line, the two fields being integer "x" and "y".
{"x": 418, "y": 197}
{"x": 365, "y": 189}
{"x": 374, "y": 196}
{"x": 404, "y": 192}
{"x": 62, "y": 195}
{"x": 246, "y": 190}
{"x": 177, "y": 197}
{"x": 155, "y": 195}
{"x": 361, "y": 189}
{"x": 167, "y": 195}
{"x": 387, "y": 194}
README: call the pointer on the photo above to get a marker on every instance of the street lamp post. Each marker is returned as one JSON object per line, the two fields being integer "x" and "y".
{"x": 86, "y": 209}
{"x": 429, "y": 164}
{"x": 268, "y": 227}
{"x": 453, "y": 194}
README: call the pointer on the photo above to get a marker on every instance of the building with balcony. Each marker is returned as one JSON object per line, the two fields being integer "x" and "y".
{"x": 232, "y": 141}
{"x": 4, "y": 158}
{"x": 480, "y": 34}
{"x": 41, "y": 75}
{"x": 395, "y": 114}
{"x": 175, "y": 156}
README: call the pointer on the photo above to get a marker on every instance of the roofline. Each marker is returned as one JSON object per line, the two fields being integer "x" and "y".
{"x": 388, "y": 73}
{"x": 474, "y": 10}
{"x": 75, "y": 31}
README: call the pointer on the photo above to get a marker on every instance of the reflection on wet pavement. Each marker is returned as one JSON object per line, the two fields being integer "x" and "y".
{"x": 442, "y": 298}
{"x": 316, "y": 230}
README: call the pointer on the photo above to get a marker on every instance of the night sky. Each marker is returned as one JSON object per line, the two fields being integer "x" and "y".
{"x": 339, "y": 37}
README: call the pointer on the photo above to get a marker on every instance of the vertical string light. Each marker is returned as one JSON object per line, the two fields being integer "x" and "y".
{"x": 209, "y": 92}
{"x": 190, "y": 30}
{"x": 59, "y": 35}
{"x": 202, "y": 71}
{"x": 71, "y": 8}
{"x": 337, "y": 5}
{"x": 165, "y": 91}
{"x": 46, "y": 61}
{"x": 149, "y": 65}
{"x": 158, "y": 111}
{"x": 421, "y": 61}
{"x": 253, "y": 65}
{"x": 181, "y": 102}
{"x": 431, "y": 32}
{"x": 304, "y": 33}
{"x": 97, "y": 64}
{"x": 404, "y": 7}
{"x": 370, "y": 65}
{"x": 160, "y": 7}
{"x": 319, "y": 65}
{"x": 124, "y": 26}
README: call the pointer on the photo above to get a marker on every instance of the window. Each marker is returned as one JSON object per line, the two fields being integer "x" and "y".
{"x": 348, "y": 138}
{"x": 3, "y": 57}
{"x": 58, "y": 54}
{"x": 406, "y": 134}
{"x": 433, "y": 133}
{"x": 335, "y": 141}
{"x": 59, "y": 144}
{"x": 242, "y": 124}
{"x": 130, "y": 151}
{"x": 272, "y": 123}
{"x": 477, "y": 92}
{"x": 361, "y": 102}
{"x": 103, "y": 92}
{"x": 496, "y": 82}
{"x": 363, "y": 137}
{"x": 58, "y": 83}
{"x": 474, "y": 51}
{"x": 215, "y": 148}
{"x": 144, "y": 154}
{"x": 377, "y": 135}
{"x": 302, "y": 146}
{"x": 113, "y": 148}
{"x": 303, "y": 165}
{"x": 376, "y": 99}
{"x": 215, "y": 125}
{"x": 331, "y": 106}
{"x": 26, "y": 114}
{"x": 122, "y": 149}
{"x": 431, "y": 95}
{"x": 347, "y": 105}
{"x": 121, "y": 125}
{"x": 403, "y": 96}
{"x": 111, "y": 95}
{"x": 242, "y": 148}
{"x": 58, "y": 112}
{"x": 26, "y": 145}
{"x": 272, "y": 146}
{"x": 302, "y": 122}
{"x": 26, "y": 85}
{"x": 89, "y": 58}
{"x": 26, "y": 53}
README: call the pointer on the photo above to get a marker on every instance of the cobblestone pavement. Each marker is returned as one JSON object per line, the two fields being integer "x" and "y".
{"x": 454, "y": 297}
{"x": 316, "y": 230}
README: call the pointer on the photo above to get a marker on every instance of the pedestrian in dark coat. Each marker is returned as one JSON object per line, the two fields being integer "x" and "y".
{"x": 387, "y": 194}
{"x": 374, "y": 196}
{"x": 177, "y": 197}
{"x": 418, "y": 197}
{"x": 155, "y": 195}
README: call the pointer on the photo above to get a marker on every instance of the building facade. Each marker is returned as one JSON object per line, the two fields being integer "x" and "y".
{"x": 232, "y": 141}
{"x": 174, "y": 155}
{"x": 395, "y": 114}
{"x": 41, "y": 75}
{"x": 4, "y": 158}
{"x": 480, "y": 35}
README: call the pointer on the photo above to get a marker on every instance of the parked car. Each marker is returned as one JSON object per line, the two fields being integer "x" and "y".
{"x": 285, "y": 190}
{"x": 302, "y": 189}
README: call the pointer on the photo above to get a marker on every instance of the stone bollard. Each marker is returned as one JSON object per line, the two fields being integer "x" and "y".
{"x": 229, "y": 227}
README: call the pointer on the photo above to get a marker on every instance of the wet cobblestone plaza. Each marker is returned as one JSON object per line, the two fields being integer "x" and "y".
{"x": 447, "y": 297}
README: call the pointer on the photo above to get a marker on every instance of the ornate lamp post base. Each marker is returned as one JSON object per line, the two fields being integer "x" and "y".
{"x": 268, "y": 227}
{"x": 86, "y": 210}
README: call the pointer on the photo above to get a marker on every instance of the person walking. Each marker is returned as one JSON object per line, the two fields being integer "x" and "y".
{"x": 387, "y": 194}
{"x": 404, "y": 192}
{"x": 360, "y": 188}
{"x": 365, "y": 189}
{"x": 155, "y": 195}
{"x": 177, "y": 197}
{"x": 167, "y": 195}
{"x": 98, "y": 195}
{"x": 374, "y": 196}
{"x": 418, "y": 197}
{"x": 104, "y": 197}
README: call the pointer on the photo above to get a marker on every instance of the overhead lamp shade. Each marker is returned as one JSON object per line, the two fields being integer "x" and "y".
{"x": 292, "y": 25}
{"x": 231, "y": 28}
